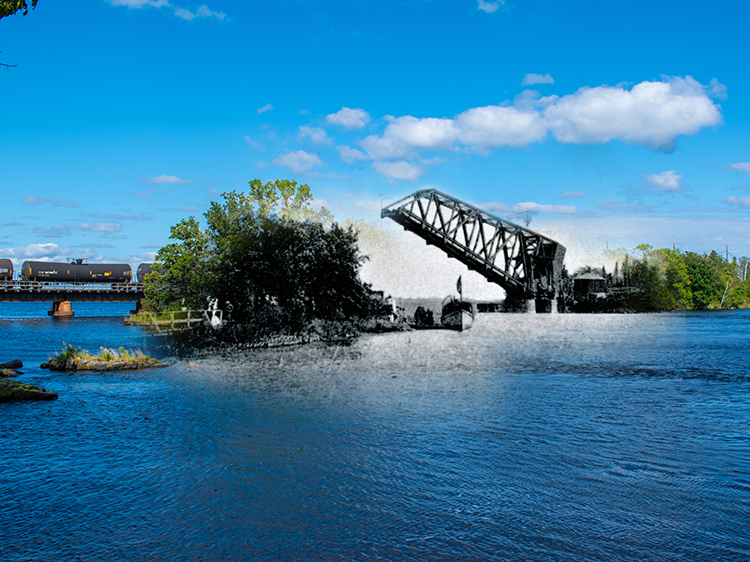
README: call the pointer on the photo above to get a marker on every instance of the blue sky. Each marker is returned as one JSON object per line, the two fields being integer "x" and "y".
{"x": 612, "y": 123}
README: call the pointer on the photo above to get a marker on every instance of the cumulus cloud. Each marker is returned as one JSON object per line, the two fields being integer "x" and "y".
{"x": 490, "y": 7}
{"x": 497, "y": 126}
{"x": 351, "y": 119}
{"x": 32, "y": 200}
{"x": 165, "y": 179}
{"x": 531, "y": 79}
{"x": 350, "y": 155}
{"x": 398, "y": 170}
{"x": 739, "y": 201}
{"x": 666, "y": 181}
{"x": 267, "y": 107}
{"x": 741, "y": 166}
{"x": 478, "y": 128}
{"x": 405, "y": 136}
{"x": 317, "y": 136}
{"x": 299, "y": 161}
{"x": 44, "y": 252}
{"x": 183, "y": 13}
{"x": 651, "y": 114}
{"x": 569, "y": 194}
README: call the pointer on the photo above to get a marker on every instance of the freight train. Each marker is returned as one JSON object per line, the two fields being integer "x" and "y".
{"x": 75, "y": 271}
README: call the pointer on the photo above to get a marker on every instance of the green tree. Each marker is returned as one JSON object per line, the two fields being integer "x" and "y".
{"x": 268, "y": 255}
{"x": 185, "y": 264}
{"x": 705, "y": 280}
{"x": 10, "y": 7}
{"x": 673, "y": 269}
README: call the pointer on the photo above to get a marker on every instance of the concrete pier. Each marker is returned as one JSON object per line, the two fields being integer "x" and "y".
{"x": 62, "y": 309}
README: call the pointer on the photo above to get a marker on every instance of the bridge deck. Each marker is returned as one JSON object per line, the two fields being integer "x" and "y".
{"x": 42, "y": 291}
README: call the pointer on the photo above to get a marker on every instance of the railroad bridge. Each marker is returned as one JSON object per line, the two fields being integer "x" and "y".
{"x": 524, "y": 263}
{"x": 62, "y": 294}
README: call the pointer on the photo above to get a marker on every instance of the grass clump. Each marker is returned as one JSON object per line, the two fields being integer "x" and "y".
{"x": 106, "y": 355}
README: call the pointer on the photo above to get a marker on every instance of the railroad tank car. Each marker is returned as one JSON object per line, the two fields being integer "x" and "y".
{"x": 6, "y": 269}
{"x": 75, "y": 272}
{"x": 144, "y": 269}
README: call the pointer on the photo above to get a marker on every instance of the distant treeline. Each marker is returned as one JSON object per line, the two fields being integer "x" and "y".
{"x": 666, "y": 279}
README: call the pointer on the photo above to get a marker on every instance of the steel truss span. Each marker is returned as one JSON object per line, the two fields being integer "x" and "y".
{"x": 524, "y": 263}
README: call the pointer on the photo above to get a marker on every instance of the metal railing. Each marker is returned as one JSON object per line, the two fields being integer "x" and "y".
{"x": 21, "y": 286}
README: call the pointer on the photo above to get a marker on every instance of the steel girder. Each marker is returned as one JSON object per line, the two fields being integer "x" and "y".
{"x": 524, "y": 263}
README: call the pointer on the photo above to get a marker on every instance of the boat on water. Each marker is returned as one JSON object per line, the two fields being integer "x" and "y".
{"x": 457, "y": 313}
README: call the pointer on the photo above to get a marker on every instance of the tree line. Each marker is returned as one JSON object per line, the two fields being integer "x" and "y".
{"x": 670, "y": 279}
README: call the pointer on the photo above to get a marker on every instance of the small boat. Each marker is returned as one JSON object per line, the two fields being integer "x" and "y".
{"x": 457, "y": 314}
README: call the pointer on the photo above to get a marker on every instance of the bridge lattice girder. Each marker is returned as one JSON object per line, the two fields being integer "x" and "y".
{"x": 526, "y": 264}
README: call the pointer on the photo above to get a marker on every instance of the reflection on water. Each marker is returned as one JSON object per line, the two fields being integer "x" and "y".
{"x": 533, "y": 437}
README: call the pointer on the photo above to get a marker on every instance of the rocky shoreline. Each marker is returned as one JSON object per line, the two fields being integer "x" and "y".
{"x": 14, "y": 391}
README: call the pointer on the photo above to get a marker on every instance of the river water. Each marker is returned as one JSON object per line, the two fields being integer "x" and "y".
{"x": 529, "y": 437}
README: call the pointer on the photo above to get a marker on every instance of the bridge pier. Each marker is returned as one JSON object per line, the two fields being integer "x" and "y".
{"x": 62, "y": 309}
{"x": 545, "y": 306}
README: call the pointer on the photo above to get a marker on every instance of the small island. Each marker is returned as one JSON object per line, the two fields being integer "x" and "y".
{"x": 76, "y": 359}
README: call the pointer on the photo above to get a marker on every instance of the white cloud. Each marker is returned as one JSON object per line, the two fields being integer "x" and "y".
{"x": 652, "y": 114}
{"x": 741, "y": 166}
{"x": 100, "y": 227}
{"x": 183, "y": 13}
{"x": 351, "y": 119}
{"x": 666, "y": 181}
{"x": 717, "y": 90}
{"x": 568, "y": 194}
{"x": 502, "y": 209}
{"x": 406, "y": 135}
{"x": 250, "y": 141}
{"x": 478, "y": 128}
{"x": 398, "y": 170}
{"x": 165, "y": 179}
{"x": 531, "y": 79}
{"x": 267, "y": 107}
{"x": 299, "y": 161}
{"x": 490, "y": 7}
{"x": 740, "y": 201}
{"x": 44, "y": 252}
{"x": 350, "y": 155}
{"x": 32, "y": 200}
{"x": 60, "y": 230}
{"x": 201, "y": 12}
{"x": 547, "y": 209}
{"x": 317, "y": 136}
{"x": 496, "y": 126}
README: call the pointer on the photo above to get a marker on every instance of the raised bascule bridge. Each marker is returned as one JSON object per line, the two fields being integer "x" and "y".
{"x": 524, "y": 263}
